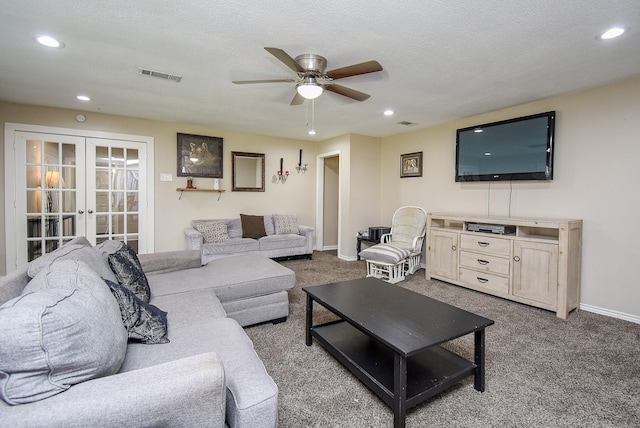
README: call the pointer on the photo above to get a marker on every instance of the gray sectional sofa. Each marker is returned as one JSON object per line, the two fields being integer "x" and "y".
{"x": 208, "y": 374}
{"x": 271, "y": 241}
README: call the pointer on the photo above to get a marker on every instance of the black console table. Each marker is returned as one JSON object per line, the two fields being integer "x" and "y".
{"x": 361, "y": 238}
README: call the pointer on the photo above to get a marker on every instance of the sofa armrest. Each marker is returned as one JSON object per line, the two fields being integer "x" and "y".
{"x": 169, "y": 261}
{"x": 186, "y": 392}
{"x": 307, "y": 232}
{"x": 193, "y": 239}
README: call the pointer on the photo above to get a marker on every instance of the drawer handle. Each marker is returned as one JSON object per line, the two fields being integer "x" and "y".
{"x": 516, "y": 259}
{"x": 482, "y": 280}
{"x": 483, "y": 262}
{"x": 453, "y": 248}
{"x": 483, "y": 244}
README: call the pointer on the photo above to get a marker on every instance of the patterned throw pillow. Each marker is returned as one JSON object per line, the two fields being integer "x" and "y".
{"x": 213, "y": 231}
{"x": 286, "y": 224}
{"x": 384, "y": 253}
{"x": 144, "y": 322}
{"x": 128, "y": 270}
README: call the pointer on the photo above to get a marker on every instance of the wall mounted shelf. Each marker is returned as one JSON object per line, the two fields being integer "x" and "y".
{"x": 186, "y": 189}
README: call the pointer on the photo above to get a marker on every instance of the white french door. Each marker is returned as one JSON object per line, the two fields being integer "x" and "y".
{"x": 115, "y": 202}
{"x": 62, "y": 186}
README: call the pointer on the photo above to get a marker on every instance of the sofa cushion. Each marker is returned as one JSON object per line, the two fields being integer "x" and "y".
{"x": 64, "y": 329}
{"x": 73, "y": 252}
{"x": 143, "y": 321}
{"x": 385, "y": 253}
{"x": 128, "y": 271}
{"x": 234, "y": 228}
{"x": 235, "y": 277}
{"x": 286, "y": 223}
{"x": 252, "y": 226}
{"x": 232, "y": 246}
{"x": 213, "y": 231}
{"x": 276, "y": 242}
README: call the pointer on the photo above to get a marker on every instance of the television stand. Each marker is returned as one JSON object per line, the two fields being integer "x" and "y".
{"x": 539, "y": 264}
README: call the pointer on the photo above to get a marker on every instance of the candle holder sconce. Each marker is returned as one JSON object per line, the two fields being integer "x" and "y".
{"x": 301, "y": 168}
{"x": 281, "y": 175}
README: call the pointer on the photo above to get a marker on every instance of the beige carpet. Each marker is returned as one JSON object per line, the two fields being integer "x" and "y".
{"x": 541, "y": 371}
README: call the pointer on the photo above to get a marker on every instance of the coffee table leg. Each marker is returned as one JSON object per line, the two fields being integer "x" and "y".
{"x": 309, "y": 319}
{"x": 400, "y": 391}
{"x": 478, "y": 383}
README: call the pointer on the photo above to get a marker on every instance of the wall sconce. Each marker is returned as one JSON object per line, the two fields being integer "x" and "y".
{"x": 282, "y": 175}
{"x": 301, "y": 168}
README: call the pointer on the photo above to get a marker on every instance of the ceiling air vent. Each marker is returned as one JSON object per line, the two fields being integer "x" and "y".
{"x": 159, "y": 74}
{"x": 405, "y": 123}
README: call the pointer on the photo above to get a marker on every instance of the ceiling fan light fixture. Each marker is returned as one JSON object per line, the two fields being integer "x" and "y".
{"x": 309, "y": 88}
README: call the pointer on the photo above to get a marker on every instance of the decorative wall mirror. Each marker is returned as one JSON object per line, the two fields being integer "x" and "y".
{"x": 247, "y": 171}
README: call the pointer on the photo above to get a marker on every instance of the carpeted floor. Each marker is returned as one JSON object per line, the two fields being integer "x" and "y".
{"x": 541, "y": 371}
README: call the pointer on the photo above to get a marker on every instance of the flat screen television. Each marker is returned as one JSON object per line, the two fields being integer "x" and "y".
{"x": 514, "y": 149}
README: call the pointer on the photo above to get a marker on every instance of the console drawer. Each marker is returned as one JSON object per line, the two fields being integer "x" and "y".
{"x": 487, "y": 281}
{"x": 484, "y": 262}
{"x": 486, "y": 244}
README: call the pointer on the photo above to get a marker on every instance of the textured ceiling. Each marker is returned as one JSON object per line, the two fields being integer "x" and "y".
{"x": 442, "y": 59}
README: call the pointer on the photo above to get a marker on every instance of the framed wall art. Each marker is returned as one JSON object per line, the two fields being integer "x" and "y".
{"x": 199, "y": 156}
{"x": 411, "y": 165}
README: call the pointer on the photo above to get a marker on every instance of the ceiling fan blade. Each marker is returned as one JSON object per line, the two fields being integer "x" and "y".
{"x": 354, "y": 70}
{"x": 347, "y": 92}
{"x": 285, "y": 58}
{"x": 244, "y": 82}
{"x": 297, "y": 99}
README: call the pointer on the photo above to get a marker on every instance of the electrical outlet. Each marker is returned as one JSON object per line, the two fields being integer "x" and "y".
{"x": 166, "y": 177}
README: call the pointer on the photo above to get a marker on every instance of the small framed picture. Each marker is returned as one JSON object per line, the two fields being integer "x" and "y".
{"x": 411, "y": 165}
{"x": 199, "y": 156}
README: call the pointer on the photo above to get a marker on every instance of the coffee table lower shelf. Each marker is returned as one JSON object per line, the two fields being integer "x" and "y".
{"x": 428, "y": 372}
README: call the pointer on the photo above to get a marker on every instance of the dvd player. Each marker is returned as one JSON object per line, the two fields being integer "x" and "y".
{"x": 499, "y": 229}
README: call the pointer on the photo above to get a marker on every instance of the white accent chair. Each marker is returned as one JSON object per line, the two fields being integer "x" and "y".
{"x": 399, "y": 251}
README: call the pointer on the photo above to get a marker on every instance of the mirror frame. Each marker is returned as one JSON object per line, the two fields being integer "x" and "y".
{"x": 235, "y": 188}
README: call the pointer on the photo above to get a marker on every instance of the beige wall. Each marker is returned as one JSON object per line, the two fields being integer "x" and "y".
{"x": 173, "y": 215}
{"x": 595, "y": 179}
{"x": 597, "y": 151}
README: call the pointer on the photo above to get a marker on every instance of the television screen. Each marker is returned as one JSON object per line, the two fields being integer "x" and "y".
{"x": 514, "y": 149}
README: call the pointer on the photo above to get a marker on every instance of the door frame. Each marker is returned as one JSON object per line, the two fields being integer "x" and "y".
{"x": 320, "y": 199}
{"x": 10, "y": 195}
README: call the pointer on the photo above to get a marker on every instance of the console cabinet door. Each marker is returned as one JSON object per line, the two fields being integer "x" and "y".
{"x": 535, "y": 272}
{"x": 443, "y": 254}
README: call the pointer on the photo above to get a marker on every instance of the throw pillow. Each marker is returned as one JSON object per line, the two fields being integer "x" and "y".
{"x": 144, "y": 322}
{"x": 384, "y": 253}
{"x": 269, "y": 227}
{"x": 213, "y": 231}
{"x": 128, "y": 271}
{"x": 83, "y": 253}
{"x": 285, "y": 224}
{"x": 66, "y": 330}
{"x": 252, "y": 226}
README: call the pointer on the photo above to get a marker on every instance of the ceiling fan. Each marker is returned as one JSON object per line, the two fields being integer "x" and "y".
{"x": 313, "y": 80}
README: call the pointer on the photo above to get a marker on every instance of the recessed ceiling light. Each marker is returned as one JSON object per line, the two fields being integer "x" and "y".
{"x": 83, "y": 98}
{"x": 312, "y": 132}
{"x": 49, "y": 42}
{"x": 611, "y": 33}
{"x": 389, "y": 112}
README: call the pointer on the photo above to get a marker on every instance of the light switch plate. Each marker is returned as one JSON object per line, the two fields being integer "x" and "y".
{"x": 166, "y": 177}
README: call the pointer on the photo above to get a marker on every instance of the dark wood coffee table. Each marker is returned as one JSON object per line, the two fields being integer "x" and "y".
{"x": 388, "y": 337}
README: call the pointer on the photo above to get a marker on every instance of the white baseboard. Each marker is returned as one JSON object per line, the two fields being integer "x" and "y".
{"x": 610, "y": 313}
{"x": 329, "y": 247}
